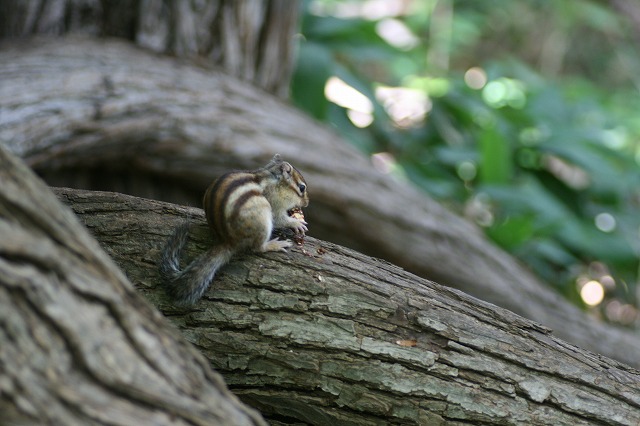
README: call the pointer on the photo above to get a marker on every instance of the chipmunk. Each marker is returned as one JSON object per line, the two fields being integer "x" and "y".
{"x": 242, "y": 209}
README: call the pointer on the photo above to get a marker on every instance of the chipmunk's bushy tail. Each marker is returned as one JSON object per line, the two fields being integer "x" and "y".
{"x": 187, "y": 286}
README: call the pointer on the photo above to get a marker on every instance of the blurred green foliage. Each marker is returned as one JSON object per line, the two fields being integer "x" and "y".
{"x": 529, "y": 123}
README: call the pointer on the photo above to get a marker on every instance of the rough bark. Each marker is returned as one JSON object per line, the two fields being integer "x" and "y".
{"x": 170, "y": 128}
{"x": 78, "y": 346}
{"x": 250, "y": 39}
{"x": 325, "y": 335}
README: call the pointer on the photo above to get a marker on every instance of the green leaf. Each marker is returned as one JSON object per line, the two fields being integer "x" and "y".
{"x": 495, "y": 157}
{"x": 512, "y": 232}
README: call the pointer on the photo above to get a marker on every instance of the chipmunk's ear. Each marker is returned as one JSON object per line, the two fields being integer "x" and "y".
{"x": 286, "y": 167}
{"x": 274, "y": 164}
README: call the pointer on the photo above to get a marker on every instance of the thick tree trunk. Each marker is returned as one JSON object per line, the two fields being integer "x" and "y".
{"x": 78, "y": 346}
{"x": 74, "y": 104}
{"x": 250, "y": 39}
{"x": 325, "y": 335}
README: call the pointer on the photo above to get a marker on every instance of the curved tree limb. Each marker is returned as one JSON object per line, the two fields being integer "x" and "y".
{"x": 76, "y": 104}
{"x": 325, "y": 335}
{"x": 77, "y": 344}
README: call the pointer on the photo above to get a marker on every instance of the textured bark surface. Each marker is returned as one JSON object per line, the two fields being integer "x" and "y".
{"x": 78, "y": 346}
{"x": 152, "y": 126}
{"x": 250, "y": 39}
{"x": 325, "y": 335}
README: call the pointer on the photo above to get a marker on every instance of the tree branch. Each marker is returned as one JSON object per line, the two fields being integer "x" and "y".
{"x": 325, "y": 335}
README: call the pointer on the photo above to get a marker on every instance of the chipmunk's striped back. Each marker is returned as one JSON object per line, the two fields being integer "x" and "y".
{"x": 228, "y": 196}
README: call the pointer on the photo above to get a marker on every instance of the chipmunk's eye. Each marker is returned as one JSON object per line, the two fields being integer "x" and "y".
{"x": 302, "y": 187}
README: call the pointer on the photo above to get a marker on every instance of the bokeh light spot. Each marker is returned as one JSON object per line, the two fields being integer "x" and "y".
{"x": 406, "y": 107}
{"x": 605, "y": 222}
{"x": 359, "y": 107}
{"x": 360, "y": 119}
{"x": 396, "y": 33}
{"x": 592, "y": 293}
{"x": 340, "y": 93}
{"x": 504, "y": 92}
{"x": 475, "y": 78}
{"x": 467, "y": 171}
